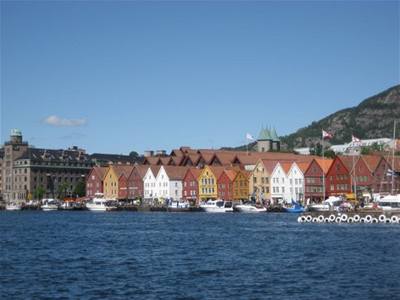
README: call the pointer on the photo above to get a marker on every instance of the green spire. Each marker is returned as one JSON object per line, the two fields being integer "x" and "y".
{"x": 264, "y": 135}
{"x": 274, "y": 135}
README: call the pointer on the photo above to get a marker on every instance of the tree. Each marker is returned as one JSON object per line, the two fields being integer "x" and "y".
{"x": 134, "y": 155}
{"x": 62, "y": 190}
{"x": 39, "y": 192}
{"x": 330, "y": 153}
{"x": 80, "y": 189}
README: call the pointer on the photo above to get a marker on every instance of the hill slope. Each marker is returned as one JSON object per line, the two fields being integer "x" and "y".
{"x": 372, "y": 118}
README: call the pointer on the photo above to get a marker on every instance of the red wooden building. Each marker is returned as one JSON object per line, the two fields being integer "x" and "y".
{"x": 94, "y": 182}
{"x": 313, "y": 179}
{"x": 191, "y": 185}
{"x": 338, "y": 177}
{"x": 225, "y": 184}
{"x": 136, "y": 182}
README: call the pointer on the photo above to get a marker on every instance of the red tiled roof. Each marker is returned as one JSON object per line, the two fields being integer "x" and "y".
{"x": 324, "y": 164}
{"x": 372, "y": 161}
{"x": 100, "y": 171}
{"x": 175, "y": 173}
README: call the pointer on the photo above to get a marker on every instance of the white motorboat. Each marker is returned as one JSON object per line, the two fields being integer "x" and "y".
{"x": 49, "y": 205}
{"x": 99, "y": 203}
{"x": 178, "y": 206}
{"x": 13, "y": 206}
{"x": 217, "y": 206}
{"x": 249, "y": 208}
{"x": 389, "y": 203}
{"x": 332, "y": 203}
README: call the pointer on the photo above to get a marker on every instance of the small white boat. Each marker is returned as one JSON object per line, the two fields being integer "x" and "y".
{"x": 249, "y": 208}
{"x": 332, "y": 203}
{"x": 178, "y": 206}
{"x": 99, "y": 203}
{"x": 217, "y": 206}
{"x": 13, "y": 206}
{"x": 389, "y": 203}
{"x": 49, "y": 205}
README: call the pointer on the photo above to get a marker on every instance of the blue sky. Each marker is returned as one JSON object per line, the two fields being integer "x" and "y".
{"x": 118, "y": 76}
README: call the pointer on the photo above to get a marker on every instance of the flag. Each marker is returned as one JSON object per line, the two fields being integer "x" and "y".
{"x": 326, "y": 135}
{"x": 249, "y": 137}
{"x": 392, "y": 173}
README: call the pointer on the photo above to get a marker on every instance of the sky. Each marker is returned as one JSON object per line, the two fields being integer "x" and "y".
{"x": 113, "y": 77}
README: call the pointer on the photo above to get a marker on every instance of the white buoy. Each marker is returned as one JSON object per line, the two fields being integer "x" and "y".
{"x": 344, "y": 218}
{"x": 394, "y": 219}
{"x": 356, "y": 218}
{"x": 382, "y": 218}
{"x": 338, "y": 219}
{"x": 300, "y": 219}
{"x": 326, "y": 220}
{"x": 374, "y": 220}
{"x": 321, "y": 218}
{"x": 332, "y": 218}
{"x": 309, "y": 218}
{"x": 362, "y": 220}
{"x": 350, "y": 220}
{"x": 314, "y": 220}
{"x": 368, "y": 219}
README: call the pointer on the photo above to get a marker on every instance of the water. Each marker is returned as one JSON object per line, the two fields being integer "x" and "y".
{"x": 86, "y": 255}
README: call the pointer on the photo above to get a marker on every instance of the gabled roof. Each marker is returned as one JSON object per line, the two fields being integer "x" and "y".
{"x": 175, "y": 173}
{"x": 100, "y": 171}
{"x": 348, "y": 161}
{"x": 324, "y": 164}
{"x": 231, "y": 174}
{"x": 269, "y": 165}
{"x": 194, "y": 171}
{"x": 122, "y": 170}
{"x": 217, "y": 171}
{"x": 303, "y": 166}
{"x": 372, "y": 161}
{"x": 286, "y": 166}
{"x": 154, "y": 169}
{"x": 141, "y": 170}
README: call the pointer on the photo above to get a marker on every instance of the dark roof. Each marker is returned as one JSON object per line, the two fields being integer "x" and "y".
{"x": 38, "y": 154}
{"x": 114, "y": 158}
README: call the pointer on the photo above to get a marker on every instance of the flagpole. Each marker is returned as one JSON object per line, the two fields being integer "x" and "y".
{"x": 394, "y": 146}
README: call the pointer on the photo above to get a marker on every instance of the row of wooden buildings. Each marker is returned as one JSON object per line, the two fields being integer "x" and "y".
{"x": 236, "y": 175}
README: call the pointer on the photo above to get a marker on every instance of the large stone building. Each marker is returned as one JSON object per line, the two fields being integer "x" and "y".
{"x": 27, "y": 171}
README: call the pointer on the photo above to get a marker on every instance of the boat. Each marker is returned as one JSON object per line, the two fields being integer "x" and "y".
{"x": 250, "y": 208}
{"x": 99, "y": 203}
{"x": 293, "y": 207}
{"x": 178, "y": 206}
{"x": 12, "y": 206}
{"x": 389, "y": 203}
{"x": 49, "y": 205}
{"x": 332, "y": 203}
{"x": 217, "y": 206}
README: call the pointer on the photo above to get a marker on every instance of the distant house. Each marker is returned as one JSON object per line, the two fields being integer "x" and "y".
{"x": 208, "y": 182}
{"x": 94, "y": 182}
{"x": 136, "y": 182}
{"x": 115, "y": 182}
{"x": 259, "y": 180}
{"x": 191, "y": 185}
{"x": 225, "y": 184}
{"x": 339, "y": 175}
{"x": 150, "y": 190}
{"x": 241, "y": 185}
{"x": 313, "y": 178}
{"x": 168, "y": 184}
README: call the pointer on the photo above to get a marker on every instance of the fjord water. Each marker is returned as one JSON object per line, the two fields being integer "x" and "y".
{"x": 125, "y": 255}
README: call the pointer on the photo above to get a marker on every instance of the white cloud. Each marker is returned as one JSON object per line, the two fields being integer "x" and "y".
{"x": 62, "y": 122}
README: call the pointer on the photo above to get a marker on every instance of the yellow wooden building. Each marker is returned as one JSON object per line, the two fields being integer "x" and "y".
{"x": 241, "y": 185}
{"x": 110, "y": 184}
{"x": 259, "y": 179}
{"x": 208, "y": 182}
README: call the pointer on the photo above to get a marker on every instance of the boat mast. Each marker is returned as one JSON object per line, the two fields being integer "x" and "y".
{"x": 323, "y": 173}
{"x": 394, "y": 146}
